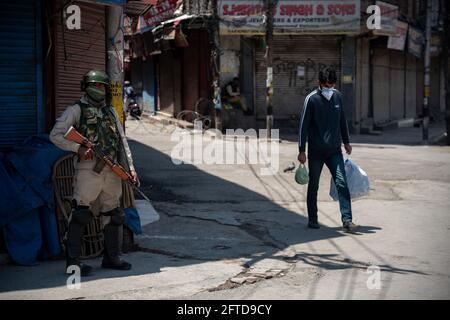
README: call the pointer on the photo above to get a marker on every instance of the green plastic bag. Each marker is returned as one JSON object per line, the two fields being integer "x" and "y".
{"x": 301, "y": 175}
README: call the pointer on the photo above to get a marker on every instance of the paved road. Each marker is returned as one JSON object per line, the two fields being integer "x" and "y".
{"x": 228, "y": 232}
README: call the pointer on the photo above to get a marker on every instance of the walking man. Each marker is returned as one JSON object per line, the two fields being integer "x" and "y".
{"x": 324, "y": 126}
{"x": 99, "y": 123}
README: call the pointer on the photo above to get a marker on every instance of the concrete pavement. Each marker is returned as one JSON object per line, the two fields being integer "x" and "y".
{"x": 227, "y": 232}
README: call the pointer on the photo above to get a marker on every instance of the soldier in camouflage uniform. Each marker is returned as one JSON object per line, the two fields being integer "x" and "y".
{"x": 98, "y": 122}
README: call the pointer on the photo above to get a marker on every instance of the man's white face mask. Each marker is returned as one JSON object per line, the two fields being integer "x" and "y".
{"x": 327, "y": 92}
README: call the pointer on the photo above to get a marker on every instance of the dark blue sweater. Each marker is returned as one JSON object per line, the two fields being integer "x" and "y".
{"x": 323, "y": 122}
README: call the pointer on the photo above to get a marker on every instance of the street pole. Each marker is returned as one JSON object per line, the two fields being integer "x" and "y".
{"x": 269, "y": 63}
{"x": 215, "y": 64}
{"x": 114, "y": 64}
{"x": 426, "y": 91}
{"x": 445, "y": 56}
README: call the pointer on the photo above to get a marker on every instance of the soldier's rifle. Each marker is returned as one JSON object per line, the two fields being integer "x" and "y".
{"x": 73, "y": 135}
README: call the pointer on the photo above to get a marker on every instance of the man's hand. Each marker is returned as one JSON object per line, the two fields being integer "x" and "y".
{"x": 135, "y": 178}
{"x": 85, "y": 153}
{"x": 302, "y": 157}
{"x": 348, "y": 148}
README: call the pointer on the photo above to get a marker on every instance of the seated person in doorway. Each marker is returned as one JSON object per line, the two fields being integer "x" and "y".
{"x": 232, "y": 98}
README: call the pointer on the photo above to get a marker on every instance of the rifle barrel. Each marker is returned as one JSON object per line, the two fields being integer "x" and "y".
{"x": 140, "y": 192}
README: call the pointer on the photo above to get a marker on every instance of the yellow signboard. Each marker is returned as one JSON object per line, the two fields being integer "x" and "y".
{"x": 117, "y": 98}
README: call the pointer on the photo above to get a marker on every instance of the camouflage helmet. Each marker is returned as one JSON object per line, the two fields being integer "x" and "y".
{"x": 94, "y": 76}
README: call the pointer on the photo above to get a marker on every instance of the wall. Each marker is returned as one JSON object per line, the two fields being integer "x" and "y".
{"x": 362, "y": 81}
{"x": 229, "y": 58}
{"x": 348, "y": 87}
{"x": 136, "y": 78}
{"x": 411, "y": 83}
{"x": 435, "y": 82}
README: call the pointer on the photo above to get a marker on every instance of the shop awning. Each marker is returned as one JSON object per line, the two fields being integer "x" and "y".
{"x": 137, "y": 8}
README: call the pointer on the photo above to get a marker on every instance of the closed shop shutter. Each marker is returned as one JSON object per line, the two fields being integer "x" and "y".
{"x": 394, "y": 85}
{"x": 169, "y": 83}
{"x": 381, "y": 85}
{"x": 196, "y": 73}
{"x": 20, "y": 71}
{"x": 291, "y": 56}
{"x": 77, "y": 52}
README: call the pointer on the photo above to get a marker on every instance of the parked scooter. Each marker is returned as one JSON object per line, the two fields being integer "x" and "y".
{"x": 133, "y": 109}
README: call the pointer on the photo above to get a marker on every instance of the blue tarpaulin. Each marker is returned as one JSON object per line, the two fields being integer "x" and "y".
{"x": 27, "y": 211}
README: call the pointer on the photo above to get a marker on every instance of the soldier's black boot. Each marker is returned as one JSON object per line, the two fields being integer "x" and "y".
{"x": 80, "y": 217}
{"x": 85, "y": 269}
{"x": 111, "y": 259}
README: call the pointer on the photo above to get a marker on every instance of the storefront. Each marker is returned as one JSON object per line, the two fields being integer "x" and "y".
{"x": 396, "y": 84}
{"x": 308, "y": 37}
{"x": 390, "y": 68}
{"x": 297, "y": 61}
{"x": 395, "y": 75}
{"x": 175, "y": 47}
{"x": 184, "y": 71}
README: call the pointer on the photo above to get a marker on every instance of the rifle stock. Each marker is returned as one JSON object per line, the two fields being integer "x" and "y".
{"x": 117, "y": 169}
{"x": 73, "y": 135}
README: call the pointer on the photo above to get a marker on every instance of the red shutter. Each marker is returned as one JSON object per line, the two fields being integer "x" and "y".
{"x": 78, "y": 51}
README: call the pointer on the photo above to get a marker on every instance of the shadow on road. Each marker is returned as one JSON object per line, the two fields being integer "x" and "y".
{"x": 258, "y": 230}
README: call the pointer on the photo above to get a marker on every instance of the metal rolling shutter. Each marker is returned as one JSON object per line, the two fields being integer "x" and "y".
{"x": 78, "y": 51}
{"x": 20, "y": 71}
{"x": 314, "y": 53}
{"x": 393, "y": 84}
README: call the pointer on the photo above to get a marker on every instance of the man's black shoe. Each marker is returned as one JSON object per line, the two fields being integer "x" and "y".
{"x": 349, "y": 226}
{"x": 85, "y": 269}
{"x": 115, "y": 263}
{"x": 313, "y": 225}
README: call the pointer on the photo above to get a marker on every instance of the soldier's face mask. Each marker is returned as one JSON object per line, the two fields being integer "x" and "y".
{"x": 96, "y": 91}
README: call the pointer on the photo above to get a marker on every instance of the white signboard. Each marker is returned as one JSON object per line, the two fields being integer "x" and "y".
{"x": 398, "y": 41}
{"x": 389, "y": 15}
{"x": 291, "y": 17}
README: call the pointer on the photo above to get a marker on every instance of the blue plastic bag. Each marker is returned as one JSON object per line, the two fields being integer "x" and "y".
{"x": 132, "y": 220}
{"x": 357, "y": 181}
